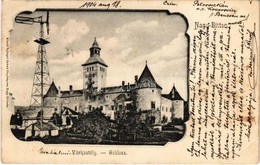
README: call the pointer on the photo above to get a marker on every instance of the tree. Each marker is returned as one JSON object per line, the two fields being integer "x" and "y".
{"x": 130, "y": 125}
{"x": 56, "y": 119}
{"x": 94, "y": 125}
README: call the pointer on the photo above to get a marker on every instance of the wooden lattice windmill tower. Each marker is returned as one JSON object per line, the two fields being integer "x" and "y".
{"x": 41, "y": 81}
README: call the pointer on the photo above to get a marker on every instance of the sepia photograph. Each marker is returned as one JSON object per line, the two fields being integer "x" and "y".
{"x": 130, "y": 82}
{"x": 99, "y": 77}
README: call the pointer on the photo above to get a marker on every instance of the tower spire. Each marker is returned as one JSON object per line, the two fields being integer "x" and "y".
{"x": 95, "y": 49}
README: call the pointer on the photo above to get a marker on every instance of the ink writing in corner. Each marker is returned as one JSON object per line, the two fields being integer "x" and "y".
{"x": 105, "y": 5}
{"x": 170, "y": 3}
{"x": 251, "y": 44}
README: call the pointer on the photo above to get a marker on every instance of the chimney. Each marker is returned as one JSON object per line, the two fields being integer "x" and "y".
{"x": 71, "y": 87}
{"x": 128, "y": 86}
{"x": 136, "y": 79}
{"x": 123, "y": 85}
{"x": 59, "y": 90}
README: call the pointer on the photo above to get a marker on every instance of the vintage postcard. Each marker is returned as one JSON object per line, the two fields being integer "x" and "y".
{"x": 130, "y": 82}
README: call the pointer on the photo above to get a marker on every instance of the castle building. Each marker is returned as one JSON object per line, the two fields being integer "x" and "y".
{"x": 145, "y": 95}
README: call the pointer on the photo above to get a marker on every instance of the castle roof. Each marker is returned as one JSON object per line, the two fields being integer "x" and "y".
{"x": 78, "y": 93}
{"x": 95, "y": 55}
{"x": 94, "y": 60}
{"x": 72, "y": 93}
{"x": 52, "y": 91}
{"x": 117, "y": 89}
{"x": 120, "y": 97}
{"x": 42, "y": 126}
{"x": 67, "y": 110}
{"x": 173, "y": 95}
{"x": 146, "y": 74}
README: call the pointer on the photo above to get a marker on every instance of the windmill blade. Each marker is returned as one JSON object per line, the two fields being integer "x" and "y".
{"x": 24, "y": 20}
{"x": 47, "y": 23}
{"x": 25, "y": 12}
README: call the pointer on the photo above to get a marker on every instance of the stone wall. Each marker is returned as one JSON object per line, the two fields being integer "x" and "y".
{"x": 166, "y": 109}
{"x": 74, "y": 103}
{"x": 145, "y": 96}
{"x": 178, "y": 109}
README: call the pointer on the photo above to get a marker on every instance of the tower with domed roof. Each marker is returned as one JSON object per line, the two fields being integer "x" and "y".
{"x": 94, "y": 69}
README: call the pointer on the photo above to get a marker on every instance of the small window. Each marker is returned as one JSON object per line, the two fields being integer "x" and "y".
{"x": 112, "y": 107}
{"x": 101, "y": 107}
{"x": 166, "y": 109}
{"x": 89, "y": 107}
{"x": 120, "y": 107}
{"x": 92, "y": 68}
{"x": 153, "y": 104}
{"x": 76, "y": 108}
{"x": 162, "y": 108}
{"x": 102, "y": 69}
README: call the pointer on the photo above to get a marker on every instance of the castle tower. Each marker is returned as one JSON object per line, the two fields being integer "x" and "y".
{"x": 94, "y": 69}
{"x": 147, "y": 92}
{"x": 177, "y": 103}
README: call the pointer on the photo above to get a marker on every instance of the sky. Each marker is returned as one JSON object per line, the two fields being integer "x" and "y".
{"x": 127, "y": 41}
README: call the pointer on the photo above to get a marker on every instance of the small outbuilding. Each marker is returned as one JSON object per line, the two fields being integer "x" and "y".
{"x": 41, "y": 129}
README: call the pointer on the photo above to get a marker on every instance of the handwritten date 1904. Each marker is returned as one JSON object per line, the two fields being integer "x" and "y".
{"x": 90, "y": 4}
